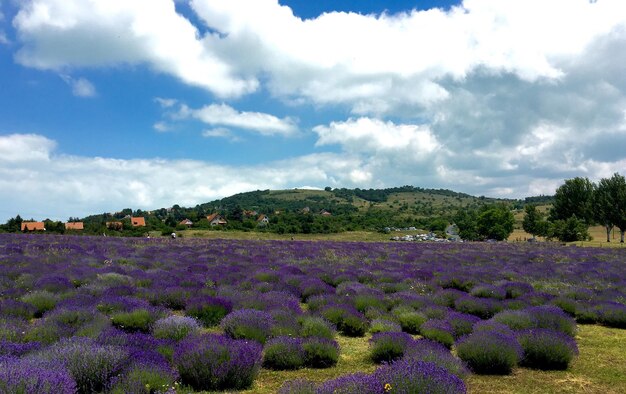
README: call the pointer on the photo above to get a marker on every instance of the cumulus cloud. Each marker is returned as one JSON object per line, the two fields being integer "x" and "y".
{"x": 78, "y": 186}
{"x": 225, "y": 115}
{"x": 75, "y": 33}
{"x": 494, "y": 97}
{"x": 81, "y": 87}
{"x": 373, "y": 135}
{"x": 220, "y": 132}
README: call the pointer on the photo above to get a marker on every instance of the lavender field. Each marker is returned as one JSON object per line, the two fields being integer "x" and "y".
{"x": 95, "y": 314}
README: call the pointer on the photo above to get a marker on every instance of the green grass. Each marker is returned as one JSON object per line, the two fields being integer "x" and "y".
{"x": 600, "y": 368}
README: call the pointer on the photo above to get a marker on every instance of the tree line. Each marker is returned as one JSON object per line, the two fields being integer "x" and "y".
{"x": 578, "y": 204}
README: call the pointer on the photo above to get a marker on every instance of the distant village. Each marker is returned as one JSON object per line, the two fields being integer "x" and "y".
{"x": 214, "y": 220}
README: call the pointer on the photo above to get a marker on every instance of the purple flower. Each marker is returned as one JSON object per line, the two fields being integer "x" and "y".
{"x": 547, "y": 349}
{"x": 248, "y": 324}
{"x": 408, "y": 376}
{"x": 215, "y": 362}
{"x": 34, "y": 376}
{"x": 356, "y": 383}
{"x": 489, "y": 352}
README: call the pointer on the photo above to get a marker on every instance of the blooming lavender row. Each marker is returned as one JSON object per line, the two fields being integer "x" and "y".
{"x": 139, "y": 306}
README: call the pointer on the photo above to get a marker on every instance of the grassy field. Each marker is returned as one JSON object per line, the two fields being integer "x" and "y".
{"x": 600, "y": 368}
{"x": 598, "y": 234}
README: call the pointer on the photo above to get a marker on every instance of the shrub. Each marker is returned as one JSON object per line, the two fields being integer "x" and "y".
{"x": 612, "y": 315}
{"x": 17, "y": 349}
{"x": 215, "y": 362}
{"x": 348, "y": 320}
{"x": 389, "y": 346}
{"x": 411, "y": 322}
{"x": 515, "y": 320}
{"x": 364, "y": 301}
{"x": 353, "y": 325}
{"x": 547, "y": 349}
{"x": 175, "y": 327}
{"x": 12, "y": 329}
{"x": 552, "y": 317}
{"x": 434, "y": 352}
{"x": 488, "y": 352}
{"x": 283, "y": 353}
{"x": 516, "y": 289}
{"x": 438, "y": 330}
{"x": 54, "y": 284}
{"x": 320, "y": 352}
{"x": 248, "y": 324}
{"x": 209, "y": 310}
{"x": 32, "y": 376}
{"x": 492, "y": 326}
{"x": 314, "y": 326}
{"x": 461, "y": 323}
{"x": 356, "y": 383}
{"x": 447, "y": 297}
{"x": 137, "y": 320}
{"x": 489, "y": 291}
{"x": 412, "y": 376}
{"x": 42, "y": 301}
{"x": 46, "y": 332}
{"x": 145, "y": 379}
{"x": 149, "y": 373}
{"x": 17, "y": 309}
{"x": 481, "y": 307}
{"x": 298, "y": 386}
{"x": 382, "y": 325}
{"x": 91, "y": 365}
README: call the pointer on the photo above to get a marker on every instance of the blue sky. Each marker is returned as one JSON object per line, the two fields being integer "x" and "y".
{"x": 149, "y": 103}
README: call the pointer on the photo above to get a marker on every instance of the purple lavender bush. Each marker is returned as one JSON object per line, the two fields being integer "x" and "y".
{"x": 547, "y": 349}
{"x": 356, "y": 383}
{"x": 612, "y": 314}
{"x": 438, "y": 330}
{"x": 408, "y": 376}
{"x": 320, "y": 352}
{"x": 315, "y": 326}
{"x": 552, "y": 317}
{"x": 384, "y": 325}
{"x": 283, "y": 353}
{"x": 34, "y": 376}
{"x": 175, "y": 327}
{"x": 389, "y": 346}
{"x": 489, "y": 352}
{"x": 298, "y": 386}
{"x": 215, "y": 362}
{"x": 208, "y": 310}
{"x": 515, "y": 320}
{"x": 91, "y": 365}
{"x": 248, "y": 324}
{"x": 434, "y": 352}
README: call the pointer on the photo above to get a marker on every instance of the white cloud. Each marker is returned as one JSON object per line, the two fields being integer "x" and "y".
{"x": 166, "y": 102}
{"x": 162, "y": 127}
{"x": 220, "y": 132}
{"x": 59, "y": 33}
{"x": 81, "y": 87}
{"x": 224, "y": 115}
{"x": 359, "y": 60}
{"x": 373, "y": 135}
{"x": 59, "y": 186}
{"x": 18, "y": 148}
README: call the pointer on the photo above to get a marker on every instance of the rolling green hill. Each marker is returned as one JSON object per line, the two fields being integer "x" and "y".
{"x": 321, "y": 211}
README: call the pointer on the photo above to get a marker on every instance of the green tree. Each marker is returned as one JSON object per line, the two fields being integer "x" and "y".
{"x": 574, "y": 198}
{"x": 610, "y": 204}
{"x": 495, "y": 222}
{"x": 533, "y": 221}
{"x": 569, "y": 230}
{"x": 467, "y": 222}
